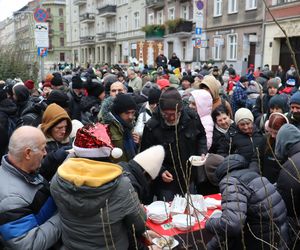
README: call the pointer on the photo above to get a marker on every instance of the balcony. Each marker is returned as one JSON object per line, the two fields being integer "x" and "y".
{"x": 155, "y": 4}
{"x": 181, "y": 27}
{"x": 87, "y": 40}
{"x": 50, "y": 17}
{"x": 107, "y": 36}
{"x": 154, "y": 32}
{"x": 79, "y": 2}
{"x": 108, "y": 10}
{"x": 51, "y": 32}
{"x": 87, "y": 18}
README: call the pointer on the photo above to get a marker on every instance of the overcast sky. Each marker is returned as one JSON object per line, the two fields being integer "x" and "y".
{"x": 7, "y": 7}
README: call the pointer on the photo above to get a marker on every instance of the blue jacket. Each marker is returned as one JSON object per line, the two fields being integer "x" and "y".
{"x": 28, "y": 218}
{"x": 239, "y": 97}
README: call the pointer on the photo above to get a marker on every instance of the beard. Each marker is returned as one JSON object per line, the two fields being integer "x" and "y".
{"x": 175, "y": 123}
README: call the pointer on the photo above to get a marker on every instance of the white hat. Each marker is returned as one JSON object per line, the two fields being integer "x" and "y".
{"x": 241, "y": 114}
{"x": 151, "y": 160}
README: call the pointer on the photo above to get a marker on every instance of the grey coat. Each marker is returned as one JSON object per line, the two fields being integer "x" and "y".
{"x": 250, "y": 204}
{"x": 98, "y": 217}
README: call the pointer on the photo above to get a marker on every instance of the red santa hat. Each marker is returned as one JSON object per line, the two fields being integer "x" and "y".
{"x": 93, "y": 141}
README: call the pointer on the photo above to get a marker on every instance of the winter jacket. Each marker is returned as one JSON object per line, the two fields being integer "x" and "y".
{"x": 239, "y": 97}
{"x": 97, "y": 205}
{"x": 136, "y": 84}
{"x": 140, "y": 183}
{"x": 161, "y": 61}
{"x": 8, "y": 110}
{"x": 191, "y": 141}
{"x": 203, "y": 102}
{"x": 74, "y": 105}
{"x": 261, "y": 105}
{"x": 106, "y": 107}
{"x": 247, "y": 146}
{"x": 90, "y": 107}
{"x": 288, "y": 147}
{"x": 221, "y": 140}
{"x": 250, "y": 205}
{"x": 175, "y": 62}
{"x": 27, "y": 211}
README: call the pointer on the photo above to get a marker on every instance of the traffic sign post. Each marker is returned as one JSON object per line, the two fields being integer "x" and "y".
{"x": 42, "y": 52}
{"x": 40, "y": 15}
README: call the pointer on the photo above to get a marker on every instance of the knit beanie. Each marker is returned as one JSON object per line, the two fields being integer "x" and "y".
{"x": 93, "y": 141}
{"x": 279, "y": 101}
{"x": 123, "y": 103}
{"x": 59, "y": 97}
{"x": 147, "y": 87}
{"x": 273, "y": 83}
{"x": 77, "y": 82}
{"x": 57, "y": 80}
{"x": 94, "y": 87}
{"x": 295, "y": 98}
{"x": 29, "y": 84}
{"x": 211, "y": 164}
{"x": 187, "y": 78}
{"x": 154, "y": 95}
{"x": 170, "y": 100}
{"x": 241, "y": 114}
{"x": 148, "y": 162}
{"x": 291, "y": 82}
{"x": 53, "y": 115}
{"x": 163, "y": 83}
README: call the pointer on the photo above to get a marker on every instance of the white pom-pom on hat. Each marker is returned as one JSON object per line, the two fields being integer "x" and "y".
{"x": 116, "y": 153}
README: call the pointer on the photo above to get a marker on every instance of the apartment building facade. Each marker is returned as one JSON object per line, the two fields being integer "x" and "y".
{"x": 235, "y": 32}
{"x": 276, "y": 52}
{"x": 18, "y": 30}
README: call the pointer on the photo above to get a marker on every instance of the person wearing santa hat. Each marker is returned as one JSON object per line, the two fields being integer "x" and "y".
{"x": 97, "y": 203}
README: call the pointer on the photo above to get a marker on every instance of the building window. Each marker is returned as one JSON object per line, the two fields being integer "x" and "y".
{"x": 151, "y": 18}
{"x": 217, "y": 7}
{"x": 232, "y": 47}
{"x": 160, "y": 17}
{"x": 62, "y": 57}
{"x": 61, "y": 27}
{"x": 62, "y": 42}
{"x": 277, "y": 2}
{"x": 251, "y": 4}
{"x": 171, "y": 13}
{"x": 217, "y": 48}
{"x": 125, "y": 23}
{"x": 232, "y": 6}
{"x": 49, "y": 11}
{"x": 120, "y": 23}
{"x": 184, "y": 12}
{"x": 136, "y": 20}
{"x": 183, "y": 47}
{"x": 61, "y": 11}
{"x": 133, "y": 50}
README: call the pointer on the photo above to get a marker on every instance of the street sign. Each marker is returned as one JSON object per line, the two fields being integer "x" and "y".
{"x": 198, "y": 31}
{"x": 40, "y": 15}
{"x": 200, "y": 5}
{"x": 197, "y": 43}
{"x": 41, "y": 35}
{"x": 42, "y": 52}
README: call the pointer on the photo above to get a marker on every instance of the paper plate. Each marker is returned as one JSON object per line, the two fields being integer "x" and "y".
{"x": 156, "y": 241}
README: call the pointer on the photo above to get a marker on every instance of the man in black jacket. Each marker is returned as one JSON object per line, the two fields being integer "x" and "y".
{"x": 174, "y": 61}
{"x": 75, "y": 95}
{"x": 182, "y": 134}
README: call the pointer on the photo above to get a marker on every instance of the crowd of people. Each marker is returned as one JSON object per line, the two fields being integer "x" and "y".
{"x": 84, "y": 149}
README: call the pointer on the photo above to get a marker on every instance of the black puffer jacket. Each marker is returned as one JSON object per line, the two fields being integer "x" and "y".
{"x": 90, "y": 107}
{"x": 33, "y": 112}
{"x": 221, "y": 141}
{"x": 250, "y": 204}
{"x": 74, "y": 105}
{"x": 7, "y": 109}
{"x": 247, "y": 146}
{"x": 191, "y": 141}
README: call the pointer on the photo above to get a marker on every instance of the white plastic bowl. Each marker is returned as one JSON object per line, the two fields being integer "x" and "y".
{"x": 183, "y": 221}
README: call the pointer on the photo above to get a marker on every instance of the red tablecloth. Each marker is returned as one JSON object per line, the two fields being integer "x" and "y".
{"x": 166, "y": 228}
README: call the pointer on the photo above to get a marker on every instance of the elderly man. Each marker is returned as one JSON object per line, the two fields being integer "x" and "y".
{"x": 115, "y": 88}
{"x": 27, "y": 211}
{"x": 182, "y": 134}
{"x": 135, "y": 82}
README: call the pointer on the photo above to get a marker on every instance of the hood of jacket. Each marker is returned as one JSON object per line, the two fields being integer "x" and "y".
{"x": 288, "y": 135}
{"x": 85, "y": 184}
{"x": 87, "y": 102}
{"x": 22, "y": 93}
{"x": 8, "y": 107}
{"x": 213, "y": 84}
{"x": 204, "y": 102}
{"x": 231, "y": 163}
